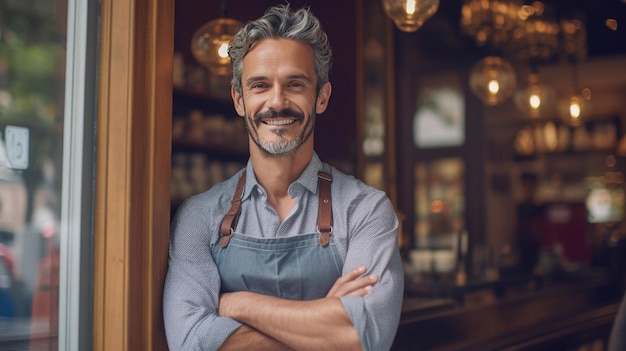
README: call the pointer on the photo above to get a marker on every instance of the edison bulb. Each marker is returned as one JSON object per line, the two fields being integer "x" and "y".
{"x": 210, "y": 42}
{"x": 493, "y": 80}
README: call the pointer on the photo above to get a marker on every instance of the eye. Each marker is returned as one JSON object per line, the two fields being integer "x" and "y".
{"x": 258, "y": 85}
{"x": 296, "y": 85}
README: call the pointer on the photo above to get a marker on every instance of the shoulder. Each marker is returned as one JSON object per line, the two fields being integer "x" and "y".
{"x": 214, "y": 199}
{"x": 351, "y": 188}
{"x": 356, "y": 198}
{"x": 202, "y": 213}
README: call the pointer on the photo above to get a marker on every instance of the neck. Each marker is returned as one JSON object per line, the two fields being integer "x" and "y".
{"x": 276, "y": 173}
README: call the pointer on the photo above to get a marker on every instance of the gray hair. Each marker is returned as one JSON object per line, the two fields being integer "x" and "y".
{"x": 281, "y": 22}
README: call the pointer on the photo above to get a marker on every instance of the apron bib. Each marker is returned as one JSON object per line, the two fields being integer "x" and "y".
{"x": 301, "y": 267}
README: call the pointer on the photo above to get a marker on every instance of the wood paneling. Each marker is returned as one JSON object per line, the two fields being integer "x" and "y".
{"x": 133, "y": 167}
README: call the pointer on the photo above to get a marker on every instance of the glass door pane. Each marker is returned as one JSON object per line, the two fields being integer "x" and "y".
{"x": 33, "y": 46}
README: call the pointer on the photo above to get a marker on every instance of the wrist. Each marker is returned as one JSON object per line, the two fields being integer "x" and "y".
{"x": 225, "y": 305}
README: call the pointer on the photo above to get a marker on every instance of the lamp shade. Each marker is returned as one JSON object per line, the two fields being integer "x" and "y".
{"x": 410, "y": 15}
{"x": 572, "y": 109}
{"x": 493, "y": 80}
{"x": 536, "y": 99}
{"x": 209, "y": 44}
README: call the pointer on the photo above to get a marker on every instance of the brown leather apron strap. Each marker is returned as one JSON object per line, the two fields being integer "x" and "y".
{"x": 325, "y": 208}
{"x": 230, "y": 219}
{"x": 324, "y": 212}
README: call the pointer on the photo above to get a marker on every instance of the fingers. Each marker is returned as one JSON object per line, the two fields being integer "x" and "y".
{"x": 353, "y": 283}
{"x": 350, "y": 276}
{"x": 359, "y": 287}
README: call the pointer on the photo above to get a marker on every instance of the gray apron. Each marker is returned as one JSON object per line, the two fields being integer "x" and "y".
{"x": 299, "y": 267}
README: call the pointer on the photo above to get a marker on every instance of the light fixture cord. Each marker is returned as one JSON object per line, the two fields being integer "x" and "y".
{"x": 224, "y": 9}
{"x": 575, "y": 76}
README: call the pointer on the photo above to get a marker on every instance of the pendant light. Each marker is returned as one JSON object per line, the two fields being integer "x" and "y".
{"x": 574, "y": 106}
{"x": 490, "y": 22}
{"x": 572, "y": 109}
{"x": 537, "y": 99}
{"x": 493, "y": 80}
{"x": 537, "y": 39}
{"x": 209, "y": 44}
{"x": 410, "y": 15}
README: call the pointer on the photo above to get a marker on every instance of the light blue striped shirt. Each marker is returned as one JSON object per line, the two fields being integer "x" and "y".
{"x": 364, "y": 228}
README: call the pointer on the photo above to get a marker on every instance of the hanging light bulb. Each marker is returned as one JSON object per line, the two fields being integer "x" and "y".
{"x": 493, "y": 80}
{"x": 575, "y": 105}
{"x": 410, "y": 15}
{"x": 572, "y": 109}
{"x": 209, "y": 44}
{"x": 537, "y": 99}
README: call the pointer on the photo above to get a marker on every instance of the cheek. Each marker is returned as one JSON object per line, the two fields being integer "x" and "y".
{"x": 252, "y": 105}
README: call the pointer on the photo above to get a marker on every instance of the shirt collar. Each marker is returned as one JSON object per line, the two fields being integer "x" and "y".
{"x": 308, "y": 178}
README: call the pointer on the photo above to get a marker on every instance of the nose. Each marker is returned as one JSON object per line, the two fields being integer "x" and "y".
{"x": 277, "y": 99}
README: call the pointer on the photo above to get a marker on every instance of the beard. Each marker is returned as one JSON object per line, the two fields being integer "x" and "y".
{"x": 283, "y": 146}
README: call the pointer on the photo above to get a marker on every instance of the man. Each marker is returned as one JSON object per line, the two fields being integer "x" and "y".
{"x": 289, "y": 254}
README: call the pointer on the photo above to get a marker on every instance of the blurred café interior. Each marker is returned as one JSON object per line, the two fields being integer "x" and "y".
{"x": 496, "y": 127}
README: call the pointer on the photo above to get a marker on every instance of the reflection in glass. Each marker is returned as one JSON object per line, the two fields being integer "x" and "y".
{"x": 32, "y": 61}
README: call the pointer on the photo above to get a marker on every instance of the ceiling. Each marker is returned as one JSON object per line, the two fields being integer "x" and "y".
{"x": 441, "y": 35}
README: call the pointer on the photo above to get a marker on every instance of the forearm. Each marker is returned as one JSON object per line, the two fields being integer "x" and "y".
{"x": 247, "y": 338}
{"x": 321, "y": 324}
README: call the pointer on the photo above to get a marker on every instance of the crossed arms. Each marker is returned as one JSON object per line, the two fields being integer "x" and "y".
{"x": 356, "y": 313}
{"x": 278, "y": 324}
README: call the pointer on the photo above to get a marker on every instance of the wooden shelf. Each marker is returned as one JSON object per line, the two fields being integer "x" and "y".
{"x": 199, "y": 94}
{"x": 225, "y": 150}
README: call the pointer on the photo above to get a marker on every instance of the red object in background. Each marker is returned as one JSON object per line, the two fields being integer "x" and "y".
{"x": 45, "y": 304}
{"x": 9, "y": 259}
{"x": 565, "y": 223}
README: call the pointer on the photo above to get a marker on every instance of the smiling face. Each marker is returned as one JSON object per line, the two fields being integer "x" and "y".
{"x": 279, "y": 99}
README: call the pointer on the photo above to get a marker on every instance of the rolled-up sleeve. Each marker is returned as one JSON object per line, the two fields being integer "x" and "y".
{"x": 192, "y": 286}
{"x": 372, "y": 242}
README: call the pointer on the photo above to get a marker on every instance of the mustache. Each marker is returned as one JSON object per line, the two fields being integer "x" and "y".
{"x": 282, "y": 113}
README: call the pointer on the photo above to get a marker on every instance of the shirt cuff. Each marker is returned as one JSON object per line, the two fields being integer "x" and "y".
{"x": 221, "y": 329}
{"x": 355, "y": 307}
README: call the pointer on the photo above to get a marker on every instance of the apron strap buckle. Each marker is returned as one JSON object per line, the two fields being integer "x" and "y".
{"x": 325, "y": 235}
{"x": 226, "y": 239}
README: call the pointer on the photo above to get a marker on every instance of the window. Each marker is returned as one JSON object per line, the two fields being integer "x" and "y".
{"x": 46, "y": 122}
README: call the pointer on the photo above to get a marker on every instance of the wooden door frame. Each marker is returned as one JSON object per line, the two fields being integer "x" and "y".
{"x": 132, "y": 205}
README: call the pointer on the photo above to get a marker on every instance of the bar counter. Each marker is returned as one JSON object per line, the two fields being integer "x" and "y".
{"x": 555, "y": 314}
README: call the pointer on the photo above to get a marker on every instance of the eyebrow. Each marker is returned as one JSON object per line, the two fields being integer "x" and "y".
{"x": 263, "y": 78}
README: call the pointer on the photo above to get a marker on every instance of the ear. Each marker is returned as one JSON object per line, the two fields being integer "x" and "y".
{"x": 237, "y": 101}
{"x": 322, "y": 98}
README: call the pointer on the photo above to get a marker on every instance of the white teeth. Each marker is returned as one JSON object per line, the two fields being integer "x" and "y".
{"x": 278, "y": 122}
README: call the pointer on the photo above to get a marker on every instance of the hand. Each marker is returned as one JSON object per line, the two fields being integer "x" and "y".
{"x": 353, "y": 284}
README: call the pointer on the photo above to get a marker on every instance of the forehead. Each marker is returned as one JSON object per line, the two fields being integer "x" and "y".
{"x": 278, "y": 57}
